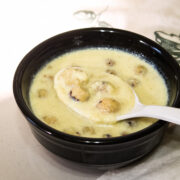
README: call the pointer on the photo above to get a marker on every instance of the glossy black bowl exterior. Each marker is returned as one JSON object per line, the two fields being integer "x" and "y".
{"x": 96, "y": 152}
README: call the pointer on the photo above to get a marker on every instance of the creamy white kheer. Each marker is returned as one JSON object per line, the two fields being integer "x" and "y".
{"x": 82, "y": 92}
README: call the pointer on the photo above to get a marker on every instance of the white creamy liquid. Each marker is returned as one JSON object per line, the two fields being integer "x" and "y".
{"x": 51, "y": 101}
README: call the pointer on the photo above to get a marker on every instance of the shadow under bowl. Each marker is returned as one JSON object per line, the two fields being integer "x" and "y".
{"x": 101, "y": 153}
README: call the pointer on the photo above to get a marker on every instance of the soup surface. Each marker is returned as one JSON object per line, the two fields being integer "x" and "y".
{"x": 82, "y": 92}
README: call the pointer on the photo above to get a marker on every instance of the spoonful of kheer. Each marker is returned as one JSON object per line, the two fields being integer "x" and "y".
{"x": 105, "y": 98}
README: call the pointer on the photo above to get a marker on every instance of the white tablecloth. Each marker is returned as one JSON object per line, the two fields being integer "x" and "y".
{"x": 25, "y": 24}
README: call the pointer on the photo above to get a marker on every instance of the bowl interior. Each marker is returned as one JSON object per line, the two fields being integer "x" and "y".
{"x": 97, "y": 37}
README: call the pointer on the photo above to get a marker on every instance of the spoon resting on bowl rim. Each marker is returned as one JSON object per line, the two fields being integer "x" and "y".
{"x": 165, "y": 113}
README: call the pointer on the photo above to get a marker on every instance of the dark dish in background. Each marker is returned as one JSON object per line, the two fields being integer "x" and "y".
{"x": 96, "y": 152}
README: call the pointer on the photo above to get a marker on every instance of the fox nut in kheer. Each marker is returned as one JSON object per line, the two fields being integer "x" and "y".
{"x": 50, "y": 119}
{"x": 140, "y": 70}
{"x": 79, "y": 94}
{"x": 42, "y": 93}
{"x": 110, "y": 62}
{"x": 74, "y": 75}
{"x": 108, "y": 105}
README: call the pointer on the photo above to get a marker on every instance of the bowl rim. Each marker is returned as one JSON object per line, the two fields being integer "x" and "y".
{"x": 32, "y": 119}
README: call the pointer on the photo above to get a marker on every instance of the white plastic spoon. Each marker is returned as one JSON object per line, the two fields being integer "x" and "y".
{"x": 166, "y": 113}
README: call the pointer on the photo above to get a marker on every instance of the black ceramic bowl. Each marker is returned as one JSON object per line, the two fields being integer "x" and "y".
{"x": 96, "y": 152}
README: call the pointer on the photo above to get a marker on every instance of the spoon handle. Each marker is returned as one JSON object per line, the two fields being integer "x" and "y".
{"x": 166, "y": 113}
